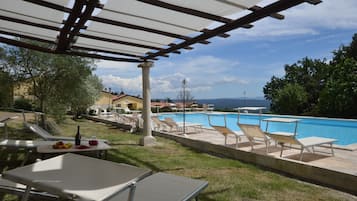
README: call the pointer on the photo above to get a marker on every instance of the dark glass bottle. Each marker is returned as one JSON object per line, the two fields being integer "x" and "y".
{"x": 78, "y": 137}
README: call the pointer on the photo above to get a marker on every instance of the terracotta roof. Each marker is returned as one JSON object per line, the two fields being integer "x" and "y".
{"x": 125, "y": 95}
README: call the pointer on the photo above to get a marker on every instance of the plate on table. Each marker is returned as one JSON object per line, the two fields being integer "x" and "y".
{"x": 82, "y": 147}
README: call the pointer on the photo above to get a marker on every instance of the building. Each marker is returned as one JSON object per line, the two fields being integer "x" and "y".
{"x": 104, "y": 103}
{"x": 127, "y": 102}
{"x": 23, "y": 90}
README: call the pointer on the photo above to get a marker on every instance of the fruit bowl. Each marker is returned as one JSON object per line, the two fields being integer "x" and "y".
{"x": 62, "y": 145}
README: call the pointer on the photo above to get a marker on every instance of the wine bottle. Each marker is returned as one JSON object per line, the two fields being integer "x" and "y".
{"x": 78, "y": 137}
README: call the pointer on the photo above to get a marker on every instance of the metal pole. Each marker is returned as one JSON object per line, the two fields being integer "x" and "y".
{"x": 184, "y": 106}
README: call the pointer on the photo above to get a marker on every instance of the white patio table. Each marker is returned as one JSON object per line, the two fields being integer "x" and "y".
{"x": 282, "y": 120}
{"x": 101, "y": 148}
{"x": 76, "y": 177}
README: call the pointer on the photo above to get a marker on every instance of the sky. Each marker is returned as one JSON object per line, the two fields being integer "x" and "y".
{"x": 240, "y": 66}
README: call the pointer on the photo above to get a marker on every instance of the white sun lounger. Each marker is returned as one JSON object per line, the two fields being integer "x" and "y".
{"x": 303, "y": 143}
{"x": 76, "y": 177}
{"x": 47, "y": 136}
{"x": 179, "y": 125}
{"x": 160, "y": 125}
{"x": 10, "y": 187}
{"x": 225, "y": 131}
{"x": 28, "y": 146}
{"x": 254, "y": 134}
{"x": 162, "y": 187}
{"x": 3, "y": 123}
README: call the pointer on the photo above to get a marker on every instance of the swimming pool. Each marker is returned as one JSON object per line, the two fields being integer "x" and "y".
{"x": 345, "y": 131}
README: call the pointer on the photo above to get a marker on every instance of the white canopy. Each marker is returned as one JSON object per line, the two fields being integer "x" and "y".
{"x": 128, "y": 30}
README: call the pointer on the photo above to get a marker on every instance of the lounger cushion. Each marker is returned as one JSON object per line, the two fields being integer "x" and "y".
{"x": 164, "y": 187}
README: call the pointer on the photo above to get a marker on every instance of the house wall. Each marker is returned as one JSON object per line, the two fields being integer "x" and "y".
{"x": 23, "y": 90}
{"x": 104, "y": 101}
{"x": 132, "y": 103}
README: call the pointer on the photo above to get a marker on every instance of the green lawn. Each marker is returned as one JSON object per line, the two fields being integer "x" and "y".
{"x": 229, "y": 180}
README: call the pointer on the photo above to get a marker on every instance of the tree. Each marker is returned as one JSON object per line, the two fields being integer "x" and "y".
{"x": 184, "y": 94}
{"x": 339, "y": 97}
{"x": 57, "y": 80}
{"x": 85, "y": 95}
{"x": 291, "y": 99}
{"x": 310, "y": 74}
{"x": 6, "y": 89}
{"x": 331, "y": 88}
{"x": 271, "y": 89}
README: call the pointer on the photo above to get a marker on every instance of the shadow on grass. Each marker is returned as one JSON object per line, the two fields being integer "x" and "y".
{"x": 117, "y": 156}
{"x": 124, "y": 144}
{"x": 207, "y": 194}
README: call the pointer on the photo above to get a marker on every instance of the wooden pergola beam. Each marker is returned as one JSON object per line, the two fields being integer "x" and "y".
{"x": 106, "y": 51}
{"x": 63, "y": 39}
{"x": 25, "y": 45}
{"x": 97, "y": 56}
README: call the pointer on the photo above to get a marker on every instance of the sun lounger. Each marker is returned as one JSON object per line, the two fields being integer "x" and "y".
{"x": 3, "y": 123}
{"x": 179, "y": 125}
{"x": 10, "y": 187}
{"x": 47, "y": 136}
{"x": 224, "y": 130}
{"x": 29, "y": 146}
{"x": 255, "y": 134}
{"x": 303, "y": 143}
{"x": 160, "y": 125}
{"x": 162, "y": 187}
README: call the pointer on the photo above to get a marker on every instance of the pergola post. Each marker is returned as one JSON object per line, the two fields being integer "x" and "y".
{"x": 147, "y": 139}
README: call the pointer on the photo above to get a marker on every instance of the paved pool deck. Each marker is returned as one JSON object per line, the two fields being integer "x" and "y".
{"x": 338, "y": 171}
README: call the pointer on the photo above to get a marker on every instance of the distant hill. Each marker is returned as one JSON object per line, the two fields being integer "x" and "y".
{"x": 229, "y": 103}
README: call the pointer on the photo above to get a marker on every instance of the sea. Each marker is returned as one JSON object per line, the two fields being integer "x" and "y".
{"x": 230, "y": 103}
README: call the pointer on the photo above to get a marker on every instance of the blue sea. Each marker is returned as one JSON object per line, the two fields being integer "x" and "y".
{"x": 230, "y": 103}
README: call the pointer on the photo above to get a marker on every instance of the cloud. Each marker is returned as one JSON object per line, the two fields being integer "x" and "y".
{"x": 166, "y": 77}
{"x": 117, "y": 83}
{"x": 305, "y": 19}
{"x": 120, "y": 69}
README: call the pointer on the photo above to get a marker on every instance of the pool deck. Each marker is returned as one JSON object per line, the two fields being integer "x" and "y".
{"x": 338, "y": 171}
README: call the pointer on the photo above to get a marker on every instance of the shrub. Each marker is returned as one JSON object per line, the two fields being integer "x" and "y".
{"x": 23, "y": 103}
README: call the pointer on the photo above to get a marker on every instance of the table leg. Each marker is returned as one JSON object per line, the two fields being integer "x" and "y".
{"x": 27, "y": 154}
{"x": 25, "y": 197}
{"x": 301, "y": 152}
{"x": 282, "y": 148}
{"x": 132, "y": 191}
{"x": 5, "y": 130}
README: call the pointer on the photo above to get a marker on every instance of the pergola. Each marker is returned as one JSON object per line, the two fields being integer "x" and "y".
{"x": 138, "y": 31}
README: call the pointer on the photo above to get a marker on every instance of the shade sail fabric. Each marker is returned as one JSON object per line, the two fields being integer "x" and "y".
{"x": 27, "y": 11}
{"x": 154, "y": 17}
{"x": 145, "y": 29}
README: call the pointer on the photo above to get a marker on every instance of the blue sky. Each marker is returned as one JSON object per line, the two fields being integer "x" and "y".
{"x": 247, "y": 60}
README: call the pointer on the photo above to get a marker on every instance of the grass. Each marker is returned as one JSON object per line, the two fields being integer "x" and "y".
{"x": 229, "y": 180}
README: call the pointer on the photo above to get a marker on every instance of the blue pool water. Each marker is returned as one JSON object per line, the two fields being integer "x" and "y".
{"x": 345, "y": 131}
